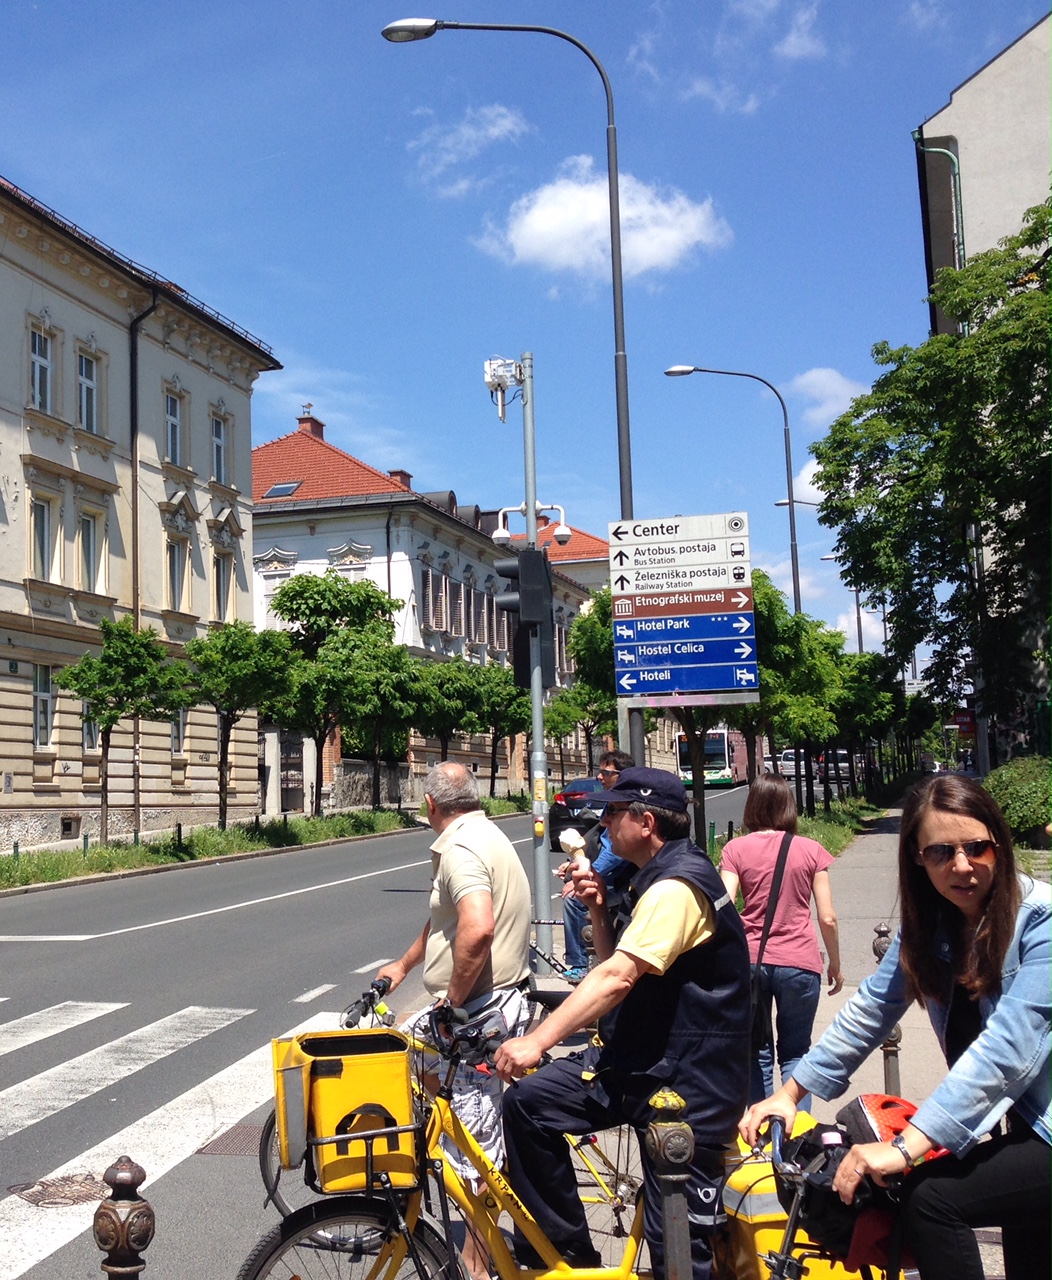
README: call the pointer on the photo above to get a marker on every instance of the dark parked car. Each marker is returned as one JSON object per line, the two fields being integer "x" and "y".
{"x": 570, "y": 809}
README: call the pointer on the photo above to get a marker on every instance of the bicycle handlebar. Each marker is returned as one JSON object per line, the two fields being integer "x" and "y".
{"x": 370, "y": 1001}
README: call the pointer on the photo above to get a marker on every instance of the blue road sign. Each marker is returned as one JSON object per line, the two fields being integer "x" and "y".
{"x": 669, "y": 679}
{"x": 694, "y": 626}
{"x": 683, "y": 653}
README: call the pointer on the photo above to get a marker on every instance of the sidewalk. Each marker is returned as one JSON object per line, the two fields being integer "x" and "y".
{"x": 865, "y": 893}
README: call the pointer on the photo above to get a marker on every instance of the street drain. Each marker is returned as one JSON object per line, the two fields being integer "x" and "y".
{"x": 241, "y": 1140}
{"x": 58, "y": 1193}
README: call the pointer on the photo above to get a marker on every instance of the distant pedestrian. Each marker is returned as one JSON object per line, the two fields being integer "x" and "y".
{"x": 791, "y": 971}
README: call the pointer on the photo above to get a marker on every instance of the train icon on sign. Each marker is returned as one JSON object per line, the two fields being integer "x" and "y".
{"x": 738, "y": 573}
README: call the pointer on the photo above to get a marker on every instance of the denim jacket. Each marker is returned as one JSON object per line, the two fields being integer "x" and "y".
{"x": 1007, "y": 1065}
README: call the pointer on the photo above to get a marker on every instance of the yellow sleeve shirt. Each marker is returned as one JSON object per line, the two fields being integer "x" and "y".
{"x": 670, "y": 918}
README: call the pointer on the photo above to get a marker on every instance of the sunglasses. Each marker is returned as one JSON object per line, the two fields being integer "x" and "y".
{"x": 980, "y": 851}
{"x": 609, "y": 773}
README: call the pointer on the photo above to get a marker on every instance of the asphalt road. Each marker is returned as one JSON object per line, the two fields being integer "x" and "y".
{"x": 136, "y": 1016}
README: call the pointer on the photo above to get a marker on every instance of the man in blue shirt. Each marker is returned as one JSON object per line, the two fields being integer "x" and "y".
{"x": 617, "y": 873}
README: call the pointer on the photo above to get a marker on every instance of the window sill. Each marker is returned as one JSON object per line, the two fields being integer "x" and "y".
{"x": 91, "y": 605}
{"x": 50, "y": 596}
{"x": 47, "y": 424}
{"x": 175, "y": 471}
{"x": 93, "y": 442}
{"x": 227, "y": 492}
{"x": 177, "y": 623}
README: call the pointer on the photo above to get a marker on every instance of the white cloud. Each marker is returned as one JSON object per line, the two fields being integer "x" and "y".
{"x": 781, "y": 574}
{"x": 565, "y": 225}
{"x": 926, "y": 14}
{"x": 442, "y": 147}
{"x": 872, "y": 630}
{"x": 829, "y": 391}
{"x": 723, "y": 95}
{"x": 804, "y": 487}
{"x": 801, "y": 41}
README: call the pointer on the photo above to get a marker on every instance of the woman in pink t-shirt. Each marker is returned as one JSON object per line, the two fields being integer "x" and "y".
{"x": 791, "y": 973}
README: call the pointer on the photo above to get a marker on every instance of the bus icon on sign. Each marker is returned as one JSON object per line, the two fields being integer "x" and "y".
{"x": 737, "y": 549}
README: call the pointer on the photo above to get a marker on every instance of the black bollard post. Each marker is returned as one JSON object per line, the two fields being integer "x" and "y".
{"x": 124, "y": 1224}
{"x": 730, "y": 829}
{"x": 890, "y": 1047}
{"x": 670, "y": 1145}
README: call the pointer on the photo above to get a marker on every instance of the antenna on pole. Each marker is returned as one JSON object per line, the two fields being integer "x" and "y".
{"x": 500, "y": 374}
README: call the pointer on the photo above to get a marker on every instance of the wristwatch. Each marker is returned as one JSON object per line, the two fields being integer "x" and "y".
{"x": 899, "y": 1143}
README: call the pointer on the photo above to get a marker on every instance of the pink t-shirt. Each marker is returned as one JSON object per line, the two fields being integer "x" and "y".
{"x": 792, "y": 940}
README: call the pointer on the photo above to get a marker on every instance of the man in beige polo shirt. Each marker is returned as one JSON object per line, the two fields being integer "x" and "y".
{"x": 474, "y": 947}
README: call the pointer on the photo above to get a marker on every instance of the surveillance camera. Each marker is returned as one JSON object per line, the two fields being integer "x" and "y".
{"x": 501, "y": 535}
{"x": 562, "y": 533}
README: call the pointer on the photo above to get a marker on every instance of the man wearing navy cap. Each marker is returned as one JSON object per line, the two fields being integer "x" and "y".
{"x": 671, "y": 993}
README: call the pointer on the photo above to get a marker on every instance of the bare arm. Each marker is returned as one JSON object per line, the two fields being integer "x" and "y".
{"x": 396, "y": 971}
{"x": 823, "y": 895}
{"x": 730, "y": 883}
{"x": 590, "y": 888}
{"x": 471, "y": 946}
{"x": 602, "y": 989}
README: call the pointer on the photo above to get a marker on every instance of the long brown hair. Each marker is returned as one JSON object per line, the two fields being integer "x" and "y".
{"x": 924, "y": 910}
{"x": 770, "y": 805}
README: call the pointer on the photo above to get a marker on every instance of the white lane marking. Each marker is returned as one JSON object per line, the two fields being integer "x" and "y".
{"x": 373, "y": 965}
{"x": 41, "y": 1096}
{"x": 49, "y": 1022}
{"x": 314, "y": 993}
{"x": 214, "y": 911}
{"x": 528, "y": 840}
{"x": 159, "y": 1141}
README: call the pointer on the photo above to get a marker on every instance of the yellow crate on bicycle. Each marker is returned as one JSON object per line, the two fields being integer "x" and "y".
{"x": 344, "y": 1086}
{"x": 756, "y": 1220}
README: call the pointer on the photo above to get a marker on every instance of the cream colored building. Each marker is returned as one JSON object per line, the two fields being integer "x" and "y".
{"x": 125, "y": 490}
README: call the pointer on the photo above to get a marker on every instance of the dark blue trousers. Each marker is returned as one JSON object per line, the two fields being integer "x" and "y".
{"x": 554, "y": 1101}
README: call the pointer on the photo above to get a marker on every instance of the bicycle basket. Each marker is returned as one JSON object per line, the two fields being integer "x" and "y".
{"x": 347, "y": 1094}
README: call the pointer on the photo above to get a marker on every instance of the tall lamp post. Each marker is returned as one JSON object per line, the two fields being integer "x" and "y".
{"x": 407, "y": 30}
{"x": 682, "y": 371}
{"x": 858, "y": 601}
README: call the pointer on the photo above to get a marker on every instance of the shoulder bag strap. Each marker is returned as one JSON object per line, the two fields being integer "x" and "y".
{"x": 776, "y": 885}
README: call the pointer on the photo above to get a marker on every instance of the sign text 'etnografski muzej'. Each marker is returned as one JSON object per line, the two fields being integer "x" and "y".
{"x": 683, "y": 610}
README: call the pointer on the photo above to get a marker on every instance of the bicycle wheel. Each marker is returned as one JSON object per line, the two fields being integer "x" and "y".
{"x": 348, "y": 1238}
{"x": 285, "y": 1187}
{"x": 609, "y": 1177}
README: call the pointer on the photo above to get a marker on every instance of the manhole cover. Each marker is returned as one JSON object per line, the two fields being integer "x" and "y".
{"x": 57, "y": 1193}
{"x": 241, "y": 1140}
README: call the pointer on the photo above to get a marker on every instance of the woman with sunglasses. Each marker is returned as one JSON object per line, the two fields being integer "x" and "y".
{"x": 973, "y": 949}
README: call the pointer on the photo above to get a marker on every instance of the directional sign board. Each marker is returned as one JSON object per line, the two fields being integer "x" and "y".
{"x": 684, "y": 629}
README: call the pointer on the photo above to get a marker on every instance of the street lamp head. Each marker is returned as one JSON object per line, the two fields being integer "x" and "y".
{"x": 407, "y": 29}
{"x": 679, "y": 370}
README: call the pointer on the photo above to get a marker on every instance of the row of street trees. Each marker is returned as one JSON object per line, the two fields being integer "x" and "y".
{"x": 937, "y": 481}
{"x": 336, "y": 668}
{"x": 812, "y": 692}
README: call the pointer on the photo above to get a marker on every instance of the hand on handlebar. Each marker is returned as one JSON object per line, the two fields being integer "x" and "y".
{"x": 777, "y": 1105}
{"x": 883, "y": 1162}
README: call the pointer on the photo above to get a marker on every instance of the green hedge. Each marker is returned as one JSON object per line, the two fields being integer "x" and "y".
{"x": 1021, "y": 787}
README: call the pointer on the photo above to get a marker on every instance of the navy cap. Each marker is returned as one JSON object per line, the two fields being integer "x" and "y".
{"x": 654, "y": 787}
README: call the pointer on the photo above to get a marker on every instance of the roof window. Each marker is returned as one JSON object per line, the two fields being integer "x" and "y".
{"x": 283, "y": 490}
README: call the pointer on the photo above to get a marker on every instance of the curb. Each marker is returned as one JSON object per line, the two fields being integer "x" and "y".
{"x": 127, "y": 873}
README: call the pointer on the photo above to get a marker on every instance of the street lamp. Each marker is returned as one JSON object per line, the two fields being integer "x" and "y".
{"x": 858, "y": 602}
{"x": 682, "y": 371}
{"x": 407, "y": 30}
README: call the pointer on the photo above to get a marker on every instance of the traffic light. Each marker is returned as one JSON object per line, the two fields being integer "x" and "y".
{"x": 530, "y": 596}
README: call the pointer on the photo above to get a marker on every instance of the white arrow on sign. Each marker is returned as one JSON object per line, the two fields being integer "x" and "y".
{"x": 627, "y": 682}
{"x": 743, "y": 650}
{"x": 739, "y": 600}
{"x": 740, "y": 625}
{"x": 625, "y": 655}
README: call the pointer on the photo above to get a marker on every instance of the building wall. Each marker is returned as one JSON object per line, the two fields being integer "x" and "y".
{"x": 66, "y": 547}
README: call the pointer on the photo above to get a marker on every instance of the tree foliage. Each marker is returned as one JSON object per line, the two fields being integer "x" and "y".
{"x": 951, "y": 448}
{"x": 234, "y": 668}
{"x": 448, "y": 700}
{"x": 503, "y": 710}
{"x": 592, "y": 710}
{"x": 131, "y": 676}
{"x": 317, "y": 606}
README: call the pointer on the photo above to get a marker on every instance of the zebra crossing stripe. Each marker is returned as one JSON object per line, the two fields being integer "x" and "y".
{"x": 158, "y": 1141}
{"x": 49, "y": 1022}
{"x": 41, "y": 1096}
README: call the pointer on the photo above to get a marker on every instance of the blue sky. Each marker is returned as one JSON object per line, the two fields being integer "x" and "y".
{"x": 387, "y": 217}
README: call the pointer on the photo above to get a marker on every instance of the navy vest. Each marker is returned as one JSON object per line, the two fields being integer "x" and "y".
{"x": 688, "y": 1028}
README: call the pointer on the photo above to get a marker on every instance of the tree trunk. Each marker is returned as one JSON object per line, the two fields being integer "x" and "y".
{"x": 750, "y": 753}
{"x": 443, "y": 746}
{"x": 104, "y": 788}
{"x": 319, "y": 747}
{"x": 376, "y": 767}
{"x": 225, "y": 727}
{"x": 589, "y": 748}
{"x": 825, "y": 782}
{"x": 494, "y": 743}
{"x": 809, "y": 753}
{"x": 696, "y": 748}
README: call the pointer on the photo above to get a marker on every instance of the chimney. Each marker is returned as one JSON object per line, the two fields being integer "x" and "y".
{"x": 311, "y": 425}
{"x": 403, "y": 477}
{"x": 543, "y": 521}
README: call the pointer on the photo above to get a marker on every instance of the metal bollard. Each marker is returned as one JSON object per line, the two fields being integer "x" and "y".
{"x": 670, "y": 1145}
{"x": 730, "y": 829}
{"x": 85, "y": 843}
{"x": 712, "y": 839}
{"x": 124, "y": 1224}
{"x": 14, "y": 851}
{"x": 179, "y": 835}
{"x": 890, "y": 1047}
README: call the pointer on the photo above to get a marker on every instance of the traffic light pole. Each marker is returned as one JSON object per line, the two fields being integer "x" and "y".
{"x": 542, "y": 878}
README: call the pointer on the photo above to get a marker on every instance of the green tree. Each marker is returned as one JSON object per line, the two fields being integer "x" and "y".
{"x": 504, "y": 711}
{"x": 133, "y": 675}
{"x": 591, "y": 642}
{"x": 310, "y": 706}
{"x": 235, "y": 668}
{"x": 582, "y": 706}
{"x": 379, "y": 688}
{"x": 448, "y": 700}
{"x": 317, "y": 606}
{"x": 949, "y": 452}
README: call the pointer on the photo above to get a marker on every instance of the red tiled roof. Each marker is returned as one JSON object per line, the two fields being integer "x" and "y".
{"x": 325, "y": 471}
{"x": 582, "y": 546}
